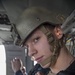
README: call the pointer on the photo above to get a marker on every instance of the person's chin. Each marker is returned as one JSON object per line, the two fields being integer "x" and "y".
{"x": 46, "y": 65}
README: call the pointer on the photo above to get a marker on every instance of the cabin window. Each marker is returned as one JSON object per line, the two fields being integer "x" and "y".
{"x": 2, "y": 60}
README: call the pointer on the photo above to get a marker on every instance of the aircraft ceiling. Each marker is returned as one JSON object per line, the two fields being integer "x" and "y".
{"x": 61, "y": 9}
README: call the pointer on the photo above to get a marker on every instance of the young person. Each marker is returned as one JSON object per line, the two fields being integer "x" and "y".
{"x": 44, "y": 40}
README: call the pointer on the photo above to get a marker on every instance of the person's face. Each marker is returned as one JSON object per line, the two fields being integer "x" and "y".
{"x": 38, "y": 47}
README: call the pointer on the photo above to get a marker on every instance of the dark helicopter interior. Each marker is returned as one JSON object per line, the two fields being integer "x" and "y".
{"x": 10, "y": 10}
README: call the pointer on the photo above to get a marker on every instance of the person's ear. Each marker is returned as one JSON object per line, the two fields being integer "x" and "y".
{"x": 58, "y": 32}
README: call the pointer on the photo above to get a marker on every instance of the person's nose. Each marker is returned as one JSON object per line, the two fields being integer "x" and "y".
{"x": 31, "y": 50}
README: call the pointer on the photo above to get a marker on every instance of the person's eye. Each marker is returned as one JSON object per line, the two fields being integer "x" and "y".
{"x": 36, "y": 39}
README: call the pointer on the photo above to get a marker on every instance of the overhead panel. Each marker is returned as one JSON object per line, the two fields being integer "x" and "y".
{"x": 14, "y": 8}
{"x": 60, "y": 9}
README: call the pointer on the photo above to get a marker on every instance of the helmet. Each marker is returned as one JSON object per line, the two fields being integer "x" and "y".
{"x": 30, "y": 20}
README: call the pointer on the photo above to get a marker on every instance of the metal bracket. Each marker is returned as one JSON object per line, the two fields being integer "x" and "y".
{"x": 69, "y": 23}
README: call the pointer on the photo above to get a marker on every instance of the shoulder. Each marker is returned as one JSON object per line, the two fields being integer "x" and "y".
{"x": 72, "y": 66}
{"x": 69, "y": 71}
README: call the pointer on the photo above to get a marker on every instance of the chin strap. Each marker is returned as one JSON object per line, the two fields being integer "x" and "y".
{"x": 55, "y": 47}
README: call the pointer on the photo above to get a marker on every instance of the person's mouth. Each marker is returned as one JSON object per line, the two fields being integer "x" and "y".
{"x": 39, "y": 59}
